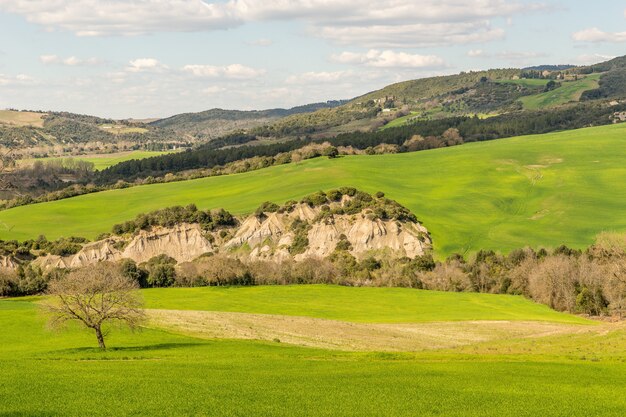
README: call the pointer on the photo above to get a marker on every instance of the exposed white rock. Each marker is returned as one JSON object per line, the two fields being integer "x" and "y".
{"x": 184, "y": 243}
{"x": 8, "y": 263}
{"x": 266, "y": 238}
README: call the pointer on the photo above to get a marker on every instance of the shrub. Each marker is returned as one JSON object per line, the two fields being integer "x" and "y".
{"x": 161, "y": 271}
{"x": 267, "y": 207}
{"x": 315, "y": 199}
{"x": 300, "y": 241}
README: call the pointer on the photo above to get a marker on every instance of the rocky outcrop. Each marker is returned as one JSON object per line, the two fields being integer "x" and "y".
{"x": 183, "y": 242}
{"x": 8, "y": 263}
{"x": 271, "y": 237}
{"x": 266, "y": 236}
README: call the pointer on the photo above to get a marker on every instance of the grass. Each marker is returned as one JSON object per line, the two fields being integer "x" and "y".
{"x": 544, "y": 190}
{"x": 525, "y": 82}
{"x": 21, "y": 118}
{"x": 400, "y": 121}
{"x": 569, "y": 91}
{"x": 121, "y": 129}
{"x": 366, "y": 305}
{"x": 102, "y": 161}
{"x": 158, "y": 373}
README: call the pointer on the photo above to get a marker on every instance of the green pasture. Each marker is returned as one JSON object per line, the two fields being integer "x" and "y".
{"x": 363, "y": 304}
{"x": 568, "y": 91}
{"x": 525, "y": 82}
{"x": 543, "y": 190}
{"x": 400, "y": 121}
{"x": 101, "y": 161}
{"x": 158, "y": 373}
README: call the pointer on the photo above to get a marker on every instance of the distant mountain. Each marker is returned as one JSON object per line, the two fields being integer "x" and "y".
{"x": 214, "y": 123}
{"x": 28, "y": 129}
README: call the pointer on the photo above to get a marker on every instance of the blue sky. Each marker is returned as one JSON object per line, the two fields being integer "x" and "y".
{"x": 154, "y": 58}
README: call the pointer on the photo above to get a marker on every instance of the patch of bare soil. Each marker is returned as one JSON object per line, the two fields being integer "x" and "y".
{"x": 339, "y": 335}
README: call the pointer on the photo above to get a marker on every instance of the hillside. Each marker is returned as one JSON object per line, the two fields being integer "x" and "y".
{"x": 494, "y": 91}
{"x": 542, "y": 190}
{"x": 344, "y": 219}
{"x": 24, "y": 129}
{"x": 213, "y": 123}
{"x": 100, "y": 161}
{"x": 60, "y": 132}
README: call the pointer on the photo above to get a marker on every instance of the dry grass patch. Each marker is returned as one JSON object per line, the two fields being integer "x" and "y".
{"x": 340, "y": 335}
{"x": 21, "y": 118}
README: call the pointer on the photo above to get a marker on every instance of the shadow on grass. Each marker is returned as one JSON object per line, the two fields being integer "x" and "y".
{"x": 142, "y": 348}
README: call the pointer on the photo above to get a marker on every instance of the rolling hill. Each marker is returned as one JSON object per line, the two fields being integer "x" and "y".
{"x": 542, "y": 190}
{"x": 214, "y": 123}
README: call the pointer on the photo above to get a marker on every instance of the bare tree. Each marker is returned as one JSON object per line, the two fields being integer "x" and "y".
{"x": 616, "y": 287}
{"x": 94, "y": 296}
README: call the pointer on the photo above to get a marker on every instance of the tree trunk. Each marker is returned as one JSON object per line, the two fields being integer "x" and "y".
{"x": 100, "y": 337}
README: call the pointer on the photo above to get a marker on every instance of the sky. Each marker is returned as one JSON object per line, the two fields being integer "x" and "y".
{"x": 156, "y": 58}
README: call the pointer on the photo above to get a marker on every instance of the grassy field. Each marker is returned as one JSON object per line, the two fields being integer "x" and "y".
{"x": 370, "y": 305}
{"x": 162, "y": 373}
{"x": 121, "y": 129}
{"x": 525, "y": 82}
{"x": 102, "y": 161}
{"x": 569, "y": 91}
{"x": 400, "y": 121}
{"x": 545, "y": 190}
{"x": 21, "y": 118}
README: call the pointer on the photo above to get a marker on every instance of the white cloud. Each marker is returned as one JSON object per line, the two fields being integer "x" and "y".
{"x": 519, "y": 58}
{"x": 476, "y": 53}
{"x": 320, "y": 77}
{"x": 588, "y": 59}
{"x": 213, "y": 90}
{"x": 512, "y": 57}
{"x": 596, "y": 35}
{"x": 233, "y": 71}
{"x": 389, "y": 59}
{"x": 17, "y": 80}
{"x": 414, "y": 35}
{"x": 49, "y": 59}
{"x": 123, "y": 17}
{"x": 261, "y": 42}
{"x": 69, "y": 61}
{"x": 369, "y": 23}
{"x": 145, "y": 65}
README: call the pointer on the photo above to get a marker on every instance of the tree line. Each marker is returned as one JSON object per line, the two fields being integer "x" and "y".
{"x": 591, "y": 282}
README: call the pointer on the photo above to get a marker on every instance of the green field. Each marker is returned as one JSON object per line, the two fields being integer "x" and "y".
{"x": 525, "y": 82}
{"x": 164, "y": 373}
{"x": 400, "y": 121}
{"x": 569, "y": 91}
{"x": 102, "y": 161}
{"x": 370, "y": 305}
{"x": 545, "y": 190}
{"x": 117, "y": 129}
